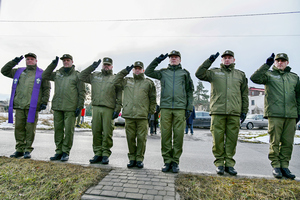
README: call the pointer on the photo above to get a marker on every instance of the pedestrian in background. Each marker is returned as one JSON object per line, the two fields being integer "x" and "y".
{"x": 282, "y": 108}
{"x": 67, "y": 102}
{"x": 30, "y": 94}
{"x": 189, "y": 122}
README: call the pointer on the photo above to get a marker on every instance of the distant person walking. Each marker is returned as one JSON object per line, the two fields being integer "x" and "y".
{"x": 189, "y": 122}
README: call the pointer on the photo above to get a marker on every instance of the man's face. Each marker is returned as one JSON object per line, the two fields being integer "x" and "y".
{"x": 281, "y": 63}
{"x": 31, "y": 61}
{"x": 227, "y": 60}
{"x": 138, "y": 70}
{"x": 67, "y": 62}
{"x": 107, "y": 67}
{"x": 175, "y": 60}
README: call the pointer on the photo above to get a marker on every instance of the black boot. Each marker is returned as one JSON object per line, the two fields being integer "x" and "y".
{"x": 277, "y": 173}
{"x": 175, "y": 167}
{"x": 131, "y": 164}
{"x": 285, "y": 172}
{"x": 56, "y": 157}
{"x": 220, "y": 170}
{"x": 139, "y": 164}
{"x": 96, "y": 159}
{"x": 105, "y": 160}
{"x": 231, "y": 171}
{"x": 17, "y": 154}
{"x": 64, "y": 157}
{"x": 27, "y": 155}
{"x": 167, "y": 167}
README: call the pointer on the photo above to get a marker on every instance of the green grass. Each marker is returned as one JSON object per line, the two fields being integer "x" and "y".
{"x": 30, "y": 179}
{"x": 216, "y": 187}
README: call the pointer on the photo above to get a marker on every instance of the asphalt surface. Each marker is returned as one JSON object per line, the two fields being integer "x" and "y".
{"x": 251, "y": 158}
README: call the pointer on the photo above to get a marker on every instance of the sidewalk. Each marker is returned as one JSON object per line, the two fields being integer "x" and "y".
{"x": 134, "y": 184}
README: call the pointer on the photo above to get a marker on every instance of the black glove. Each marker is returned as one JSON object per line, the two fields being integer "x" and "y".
{"x": 161, "y": 57}
{"x": 149, "y": 116}
{"x": 243, "y": 117}
{"x": 43, "y": 106}
{"x": 129, "y": 68}
{"x": 270, "y": 60}
{"x": 115, "y": 115}
{"x": 18, "y": 59}
{"x": 298, "y": 119}
{"x": 187, "y": 114}
{"x": 55, "y": 61}
{"x": 77, "y": 112}
{"x": 96, "y": 64}
{"x": 213, "y": 57}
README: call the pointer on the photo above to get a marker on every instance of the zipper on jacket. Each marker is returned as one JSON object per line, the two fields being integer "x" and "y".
{"x": 173, "y": 88}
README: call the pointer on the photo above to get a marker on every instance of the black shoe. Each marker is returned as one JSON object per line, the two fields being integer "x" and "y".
{"x": 220, "y": 170}
{"x": 105, "y": 160}
{"x": 77, "y": 126}
{"x": 167, "y": 167}
{"x": 17, "y": 154}
{"x": 175, "y": 167}
{"x": 231, "y": 171}
{"x": 27, "y": 155}
{"x": 287, "y": 173}
{"x": 131, "y": 164}
{"x": 277, "y": 173}
{"x": 139, "y": 164}
{"x": 64, "y": 157}
{"x": 56, "y": 157}
{"x": 192, "y": 133}
{"x": 96, "y": 159}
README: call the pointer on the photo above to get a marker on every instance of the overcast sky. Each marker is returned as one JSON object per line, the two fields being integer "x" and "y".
{"x": 133, "y": 30}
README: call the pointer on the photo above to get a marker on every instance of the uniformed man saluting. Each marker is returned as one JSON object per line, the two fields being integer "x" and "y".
{"x": 139, "y": 103}
{"x": 282, "y": 108}
{"x": 30, "y": 94}
{"x": 67, "y": 102}
{"x": 228, "y": 105}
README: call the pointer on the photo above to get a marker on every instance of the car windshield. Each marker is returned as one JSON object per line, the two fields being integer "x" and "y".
{"x": 251, "y": 116}
{"x": 201, "y": 114}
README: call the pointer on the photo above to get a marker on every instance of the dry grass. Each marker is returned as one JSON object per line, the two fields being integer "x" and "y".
{"x": 2, "y": 118}
{"x": 29, "y": 179}
{"x": 215, "y": 187}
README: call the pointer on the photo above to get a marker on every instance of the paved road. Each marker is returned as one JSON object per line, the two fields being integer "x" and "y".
{"x": 251, "y": 159}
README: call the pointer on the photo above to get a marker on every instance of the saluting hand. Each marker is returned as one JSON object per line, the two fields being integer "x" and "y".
{"x": 129, "y": 68}
{"x": 18, "y": 59}
{"x": 162, "y": 57}
{"x": 55, "y": 61}
{"x": 96, "y": 64}
{"x": 213, "y": 57}
{"x": 270, "y": 60}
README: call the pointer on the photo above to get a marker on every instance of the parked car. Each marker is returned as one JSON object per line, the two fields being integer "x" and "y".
{"x": 202, "y": 119}
{"x": 298, "y": 125}
{"x": 119, "y": 120}
{"x": 255, "y": 120}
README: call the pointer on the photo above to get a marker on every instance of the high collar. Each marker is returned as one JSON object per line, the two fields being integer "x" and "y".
{"x": 31, "y": 67}
{"x": 106, "y": 72}
{"x": 174, "y": 67}
{"x": 286, "y": 70}
{"x": 139, "y": 76}
{"x": 228, "y": 67}
{"x": 66, "y": 70}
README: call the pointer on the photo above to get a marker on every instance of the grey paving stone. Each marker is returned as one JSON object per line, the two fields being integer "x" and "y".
{"x": 143, "y": 191}
{"x": 132, "y": 178}
{"x": 123, "y": 181}
{"x": 159, "y": 187}
{"x": 118, "y": 184}
{"x": 148, "y": 196}
{"x": 170, "y": 189}
{"x": 134, "y": 195}
{"x": 169, "y": 193}
{"x": 98, "y": 187}
{"x": 154, "y": 192}
{"x": 156, "y": 180}
{"x": 107, "y": 187}
{"x": 132, "y": 181}
{"x": 95, "y": 192}
{"x": 115, "y": 180}
{"x": 123, "y": 177}
{"x": 148, "y": 187}
{"x": 89, "y": 190}
{"x": 158, "y": 198}
{"x": 121, "y": 194}
{"x": 140, "y": 182}
{"x": 106, "y": 183}
{"x": 109, "y": 193}
{"x": 168, "y": 198}
{"x": 131, "y": 190}
{"x": 171, "y": 185}
{"x": 160, "y": 183}
{"x": 162, "y": 192}
{"x": 130, "y": 185}
{"x": 118, "y": 189}
{"x": 143, "y": 179}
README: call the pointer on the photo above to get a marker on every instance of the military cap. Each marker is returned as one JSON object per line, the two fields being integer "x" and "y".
{"x": 30, "y": 55}
{"x": 282, "y": 56}
{"x": 139, "y": 64}
{"x": 107, "y": 60}
{"x": 174, "y": 52}
{"x": 66, "y": 56}
{"x": 227, "y": 52}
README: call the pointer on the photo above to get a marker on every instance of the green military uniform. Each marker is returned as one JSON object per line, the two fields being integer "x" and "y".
{"x": 78, "y": 120}
{"x": 24, "y": 131}
{"x": 69, "y": 95}
{"x": 139, "y": 101}
{"x": 228, "y": 99}
{"x": 176, "y": 97}
{"x": 282, "y": 108}
{"x": 106, "y": 98}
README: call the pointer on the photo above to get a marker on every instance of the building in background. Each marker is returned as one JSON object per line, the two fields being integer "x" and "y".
{"x": 256, "y": 100}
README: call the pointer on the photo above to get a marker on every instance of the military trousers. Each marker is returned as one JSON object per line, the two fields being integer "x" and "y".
{"x": 24, "y": 131}
{"x": 171, "y": 143}
{"x": 136, "y": 134}
{"x": 64, "y": 124}
{"x": 225, "y": 131}
{"x": 282, "y": 133}
{"x": 78, "y": 119}
{"x": 102, "y": 128}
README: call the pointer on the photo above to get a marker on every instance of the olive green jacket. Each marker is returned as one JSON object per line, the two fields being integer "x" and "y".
{"x": 176, "y": 86}
{"x": 229, "y": 89}
{"x": 25, "y": 86}
{"x": 139, "y": 95}
{"x": 105, "y": 91}
{"x": 69, "y": 92}
{"x": 282, "y": 91}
